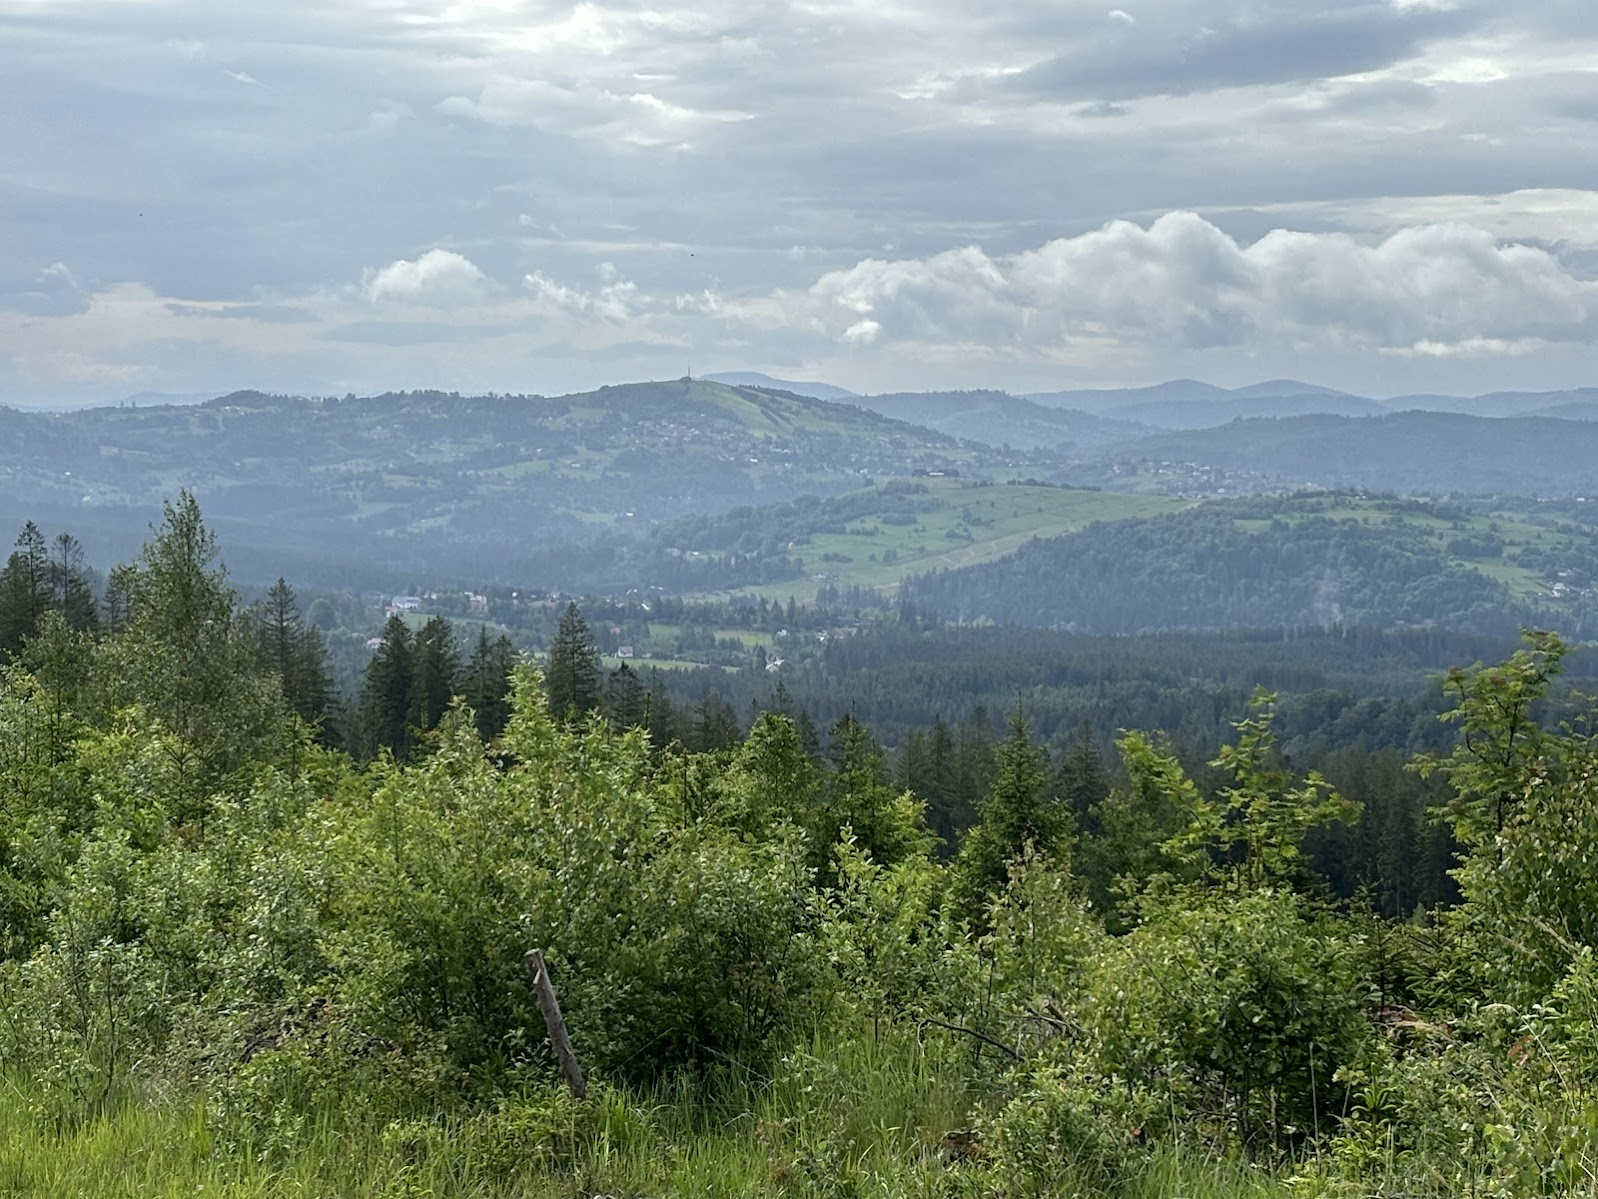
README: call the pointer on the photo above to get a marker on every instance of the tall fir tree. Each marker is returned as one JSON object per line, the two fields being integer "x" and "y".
{"x": 1018, "y": 813}
{"x": 715, "y": 724}
{"x": 436, "y": 662}
{"x": 1081, "y": 781}
{"x": 626, "y": 702}
{"x": 855, "y": 795}
{"x": 71, "y": 592}
{"x": 661, "y": 716}
{"x": 485, "y": 683}
{"x": 24, "y": 589}
{"x": 296, "y": 652}
{"x": 386, "y": 692}
{"x": 114, "y": 604}
{"x": 574, "y": 677}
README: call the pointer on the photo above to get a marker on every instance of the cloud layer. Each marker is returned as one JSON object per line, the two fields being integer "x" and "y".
{"x": 1182, "y": 282}
{"x": 542, "y": 195}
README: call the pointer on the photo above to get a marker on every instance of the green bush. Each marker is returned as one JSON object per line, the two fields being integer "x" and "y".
{"x": 1233, "y": 1010}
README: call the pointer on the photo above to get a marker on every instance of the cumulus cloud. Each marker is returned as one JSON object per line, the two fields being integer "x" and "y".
{"x": 1182, "y": 282}
{"x": 614, "y": 301}
{"x": 437, "y": 278}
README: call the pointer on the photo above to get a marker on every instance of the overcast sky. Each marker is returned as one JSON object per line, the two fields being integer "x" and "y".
{"x": 353, "y": 195}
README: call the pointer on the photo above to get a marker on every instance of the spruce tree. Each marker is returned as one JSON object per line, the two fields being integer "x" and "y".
{"x": 573, "y": 679}
{"x": 1017, "y": 813}
{"x": 485, "y": 683}
{"x": 626, "y": 703}
{"x": 436, "y": 663}
{"x": 24, "y": 589}
{"x": 296, "y": 652}
{"x": 71, "y": 593}
{"x": 386, "y": 692}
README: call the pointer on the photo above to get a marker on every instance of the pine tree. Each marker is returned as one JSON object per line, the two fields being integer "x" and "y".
{"x": 71, "y": 593}
{"x": 24, "y": 589}
{"x": 296, "y": 652}
{"x": 386, "y": 692}
{"x": 1081, "y": 781}
{"x": 573, "y": 679}
{"x": 626, "y": 703}
{"x": 1018, "y": 812}
{"x": 436, "y": 664}
{"x": 485, "y": 683}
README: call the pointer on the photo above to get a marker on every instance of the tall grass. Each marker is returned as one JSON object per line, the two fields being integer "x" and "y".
{"x": 869, "y": 1115}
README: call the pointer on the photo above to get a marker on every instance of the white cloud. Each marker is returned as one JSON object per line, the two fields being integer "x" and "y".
{"x": 438, "y": 277}
{"x": 614, "y": 302}
{"x": 1183, "y": 283}
{"x": 862, "y": 333}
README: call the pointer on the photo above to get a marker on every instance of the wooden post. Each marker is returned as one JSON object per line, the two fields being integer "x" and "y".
{"x": 555, "y": 1022}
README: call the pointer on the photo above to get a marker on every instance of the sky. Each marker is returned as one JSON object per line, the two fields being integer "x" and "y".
{"x": 1384, "y": 196}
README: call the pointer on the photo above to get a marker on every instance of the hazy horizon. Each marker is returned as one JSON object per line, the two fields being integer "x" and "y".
{"x": 1381, "y": 196}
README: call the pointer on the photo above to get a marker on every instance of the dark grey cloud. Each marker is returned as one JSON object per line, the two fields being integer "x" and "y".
{"x": 1185, "y": 49}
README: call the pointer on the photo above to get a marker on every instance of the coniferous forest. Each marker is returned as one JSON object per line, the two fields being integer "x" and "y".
{"x": 262, "y": 938}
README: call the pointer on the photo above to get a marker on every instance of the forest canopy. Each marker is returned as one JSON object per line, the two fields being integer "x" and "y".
{"x": 273, "y": 958}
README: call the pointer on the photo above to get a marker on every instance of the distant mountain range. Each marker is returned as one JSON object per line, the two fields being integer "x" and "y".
{"x": 1081, "y": 421}
{"x": 1190, "y": 404}
{"x": 503, "y": 486}
{"x": 1436, "y": 453}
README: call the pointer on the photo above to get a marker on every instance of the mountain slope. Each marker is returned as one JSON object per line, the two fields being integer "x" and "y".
{"x": 423, "y": 478}
{"x": 1496, "y": 403}
{"x": 1113, "y": 401}
{"x": 997, "y": 419}
{"x": 1431, "y": 452}
{"x": 815, "y": 390}
{"x": 1206, "y": 414}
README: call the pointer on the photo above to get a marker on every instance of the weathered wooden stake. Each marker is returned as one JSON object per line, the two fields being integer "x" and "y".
{"x": 555, "y": 1022}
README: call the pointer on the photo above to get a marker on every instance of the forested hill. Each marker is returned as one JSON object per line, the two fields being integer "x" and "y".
{"x": 996, "y": 418}
{"x": 1309, "y": 561}
{"x": 426, "y": 481}
{"x": 1435, "y": 453}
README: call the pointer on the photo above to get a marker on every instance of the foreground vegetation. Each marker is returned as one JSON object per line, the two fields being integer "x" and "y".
{"x": 237, "y": 960}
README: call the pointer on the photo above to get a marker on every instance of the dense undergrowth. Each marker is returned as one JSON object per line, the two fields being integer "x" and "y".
{"x": 237, "y": 963}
